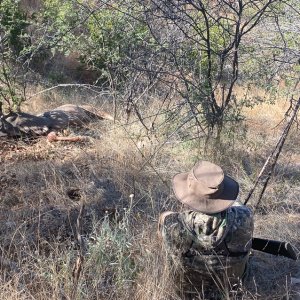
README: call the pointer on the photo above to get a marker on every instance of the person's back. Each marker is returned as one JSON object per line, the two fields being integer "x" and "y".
{"x": 211, "y": 239}
{"x": 210, "y": 247}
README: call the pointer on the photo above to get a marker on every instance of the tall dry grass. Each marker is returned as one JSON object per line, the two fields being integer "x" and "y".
{"x": 122, "y": 174}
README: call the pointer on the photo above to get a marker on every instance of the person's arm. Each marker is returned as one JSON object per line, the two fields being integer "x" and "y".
{"x": 173, "y": 233}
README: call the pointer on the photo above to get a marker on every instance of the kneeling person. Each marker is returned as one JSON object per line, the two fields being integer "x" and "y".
{"x": 212, "y": 238}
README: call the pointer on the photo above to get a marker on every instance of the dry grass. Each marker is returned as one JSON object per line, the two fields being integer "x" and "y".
{"x": 43, "y": 186}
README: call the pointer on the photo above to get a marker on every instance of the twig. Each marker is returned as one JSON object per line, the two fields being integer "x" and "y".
{"x": 86, "y": 86}
{"x": 274, "y": 155}
{"x": 76, "y": 272}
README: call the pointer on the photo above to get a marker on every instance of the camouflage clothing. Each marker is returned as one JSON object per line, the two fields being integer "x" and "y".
{"x": 209, "y": 246}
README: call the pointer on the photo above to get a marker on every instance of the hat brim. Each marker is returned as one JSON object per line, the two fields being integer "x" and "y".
{"x": 205, "y": 205}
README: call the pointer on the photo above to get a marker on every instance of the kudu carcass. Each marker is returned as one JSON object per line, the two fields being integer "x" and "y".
{"x": 16, "y": 124}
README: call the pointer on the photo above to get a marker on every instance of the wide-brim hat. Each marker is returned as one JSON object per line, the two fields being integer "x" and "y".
{"x": 205, "y": 188}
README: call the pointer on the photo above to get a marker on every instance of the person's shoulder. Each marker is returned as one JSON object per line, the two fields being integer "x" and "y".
{"x": 241, "y": 210}
{"x": 239, "y": 205}
{"x": 166, "y": 218}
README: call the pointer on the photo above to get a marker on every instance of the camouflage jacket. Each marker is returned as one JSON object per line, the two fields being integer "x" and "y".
{"x": 209, "y": 244}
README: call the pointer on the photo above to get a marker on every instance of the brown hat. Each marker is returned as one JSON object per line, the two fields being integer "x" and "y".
{"x": 205, "y": 188}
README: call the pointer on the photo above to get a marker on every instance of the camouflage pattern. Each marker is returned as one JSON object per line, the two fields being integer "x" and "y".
{"x": 210, "y": 247}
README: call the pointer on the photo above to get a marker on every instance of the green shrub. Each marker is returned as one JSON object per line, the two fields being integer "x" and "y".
{"x": 13, "y": 23}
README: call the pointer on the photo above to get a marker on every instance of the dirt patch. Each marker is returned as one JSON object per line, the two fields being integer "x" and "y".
{"x": 270, "y": 273}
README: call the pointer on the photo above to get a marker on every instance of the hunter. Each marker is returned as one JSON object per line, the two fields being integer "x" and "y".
{"x": 211, "y": 237}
